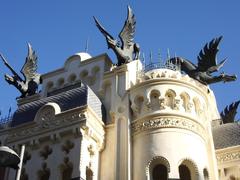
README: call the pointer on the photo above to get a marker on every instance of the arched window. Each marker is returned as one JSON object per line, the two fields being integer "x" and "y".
{"x": 160, "y": 172}
{"x": 169, "y": 98}
{"x": 205, "y": 174}
{"x": 158, "y": 168}
{"x": 184, "y": 172}
{"x": 154, "y": 99}
{"x": 89, "y": 174}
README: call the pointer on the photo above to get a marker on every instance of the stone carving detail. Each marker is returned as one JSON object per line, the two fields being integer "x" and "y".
{"x": 44, "y": 173}
{"x": 230, "y": 156}
{"x": 58, "y": 122}
{"x": 157, "y": 160}
{"x": 67, "y": 146}
{"x": 66, "y": 169}
{"x": 164, "y": 122}
{"x": 177, "y": 104}
{"x": 190, "y": 164}
{"x": 126, "y": 50}
{"x": 47, "y": 114}
{"x": 171, "y": 100}
{"x": 28, "y": 85}
{"x": 45, "y": 152}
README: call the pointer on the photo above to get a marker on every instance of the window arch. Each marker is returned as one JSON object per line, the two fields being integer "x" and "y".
{"x": 158, "y": 168}
{"x": 188, "y": 170}
{"x": 60, "y": 82}
{"x": 72, "y": 78}
{"x": 185, "y": 99}
{"x": 89, "y": 174}
{"x": 184, "y": 172}
{"x": 159, "y": 172}
{"x": 154, "y": 99}
{"x": 169, "y": 98}
{"x": 205, "y": 174}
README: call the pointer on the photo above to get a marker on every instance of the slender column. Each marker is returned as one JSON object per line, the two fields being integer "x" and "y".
{"x": 20, "y": 164}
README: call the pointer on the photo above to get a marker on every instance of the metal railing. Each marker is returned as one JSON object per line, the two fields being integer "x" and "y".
{"x": 4, "y": 121}
{"x": 159, "y": 65}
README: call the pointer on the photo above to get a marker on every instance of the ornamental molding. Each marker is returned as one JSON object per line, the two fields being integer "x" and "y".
{"x": 228, "y": 157}
{"x": 139, "y": 126}
{"x": 39, "y": 128}
{"x": 169, "y": 75}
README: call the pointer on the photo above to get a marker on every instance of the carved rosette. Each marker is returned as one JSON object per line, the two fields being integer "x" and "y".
{"x": 166, "y": 122}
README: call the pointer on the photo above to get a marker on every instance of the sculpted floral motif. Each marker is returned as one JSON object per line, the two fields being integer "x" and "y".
{"x": 228, "y": 157}
{"x": 163, "y": 122}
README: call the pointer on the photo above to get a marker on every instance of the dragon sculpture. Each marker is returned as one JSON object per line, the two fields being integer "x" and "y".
{"x": 29, "y": 85}
{"x": 126, "y": 50}
{"x": 229, "y": 113}
{"x": 207, "y": 64}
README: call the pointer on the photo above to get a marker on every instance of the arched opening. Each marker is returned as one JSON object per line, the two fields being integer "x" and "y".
{"x": 138, "y": 100}
{"x": 89, "y": 174}
{"x": 197, "y": 106}
{"x": 185, "y": 99}
{"x": 160, "y": 172}
{"x": 50, "y": 85}
{"x": 72, "y": 78}
{"x": 205, "y": 174}
{"x": 158, "y": 168}
{"x": 154, "y": 99}
{"x": 184, "y": 172}
{"x": 60, "y": 82}
{"x": 169, "y": 98}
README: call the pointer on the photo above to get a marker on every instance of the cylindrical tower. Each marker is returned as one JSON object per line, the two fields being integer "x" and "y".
{"x": 171, "y": 127}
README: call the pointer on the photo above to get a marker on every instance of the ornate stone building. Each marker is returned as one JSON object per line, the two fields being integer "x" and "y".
{"x": 93, "y": 120}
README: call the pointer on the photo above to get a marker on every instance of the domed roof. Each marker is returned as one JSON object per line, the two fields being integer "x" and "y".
{"x": 226, "y": 135}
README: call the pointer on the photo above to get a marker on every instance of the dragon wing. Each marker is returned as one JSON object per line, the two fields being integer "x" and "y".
{"x": 29, "y": 69}
{"x": 127, "y": 33}
{"x": 207, "y": 60}
{"x": 229, "y": 113}
{"x": 102, "y": 30}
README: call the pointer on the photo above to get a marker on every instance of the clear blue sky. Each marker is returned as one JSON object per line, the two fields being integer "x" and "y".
{"x": 59, "y": 29}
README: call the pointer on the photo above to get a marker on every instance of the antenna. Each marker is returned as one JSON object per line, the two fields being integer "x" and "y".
{"x": 168, "y": 54}
{"x": 150, "y": 56}
{"x": 87, "y": 43}
{"x": 159, "y": 57}
{"x": 143, "y": 58}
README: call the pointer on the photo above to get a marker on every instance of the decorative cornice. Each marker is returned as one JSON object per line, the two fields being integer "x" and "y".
{"x": 63, "y": 120}
{"x": 166, "y": 122}
{"x": 228, "y": 156}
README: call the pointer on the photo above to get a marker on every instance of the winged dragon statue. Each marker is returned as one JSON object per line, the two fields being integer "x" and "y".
{"x": 207, "y": 64}
{"x": 29, "y": 84}
{"x": 126, "y": 50}
{"x": 229, "y": 113}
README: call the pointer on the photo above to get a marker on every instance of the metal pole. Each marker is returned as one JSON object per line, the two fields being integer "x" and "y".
{"x": 20, "y": 164}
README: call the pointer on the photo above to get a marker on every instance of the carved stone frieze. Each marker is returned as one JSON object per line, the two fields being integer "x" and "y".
{"x": 165, "y": 122}
{"x": 229, "y": 156}
{"x": 37, "y": 128}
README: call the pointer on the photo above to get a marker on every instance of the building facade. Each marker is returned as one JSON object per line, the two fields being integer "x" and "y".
{"x": 95, "y": 120}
